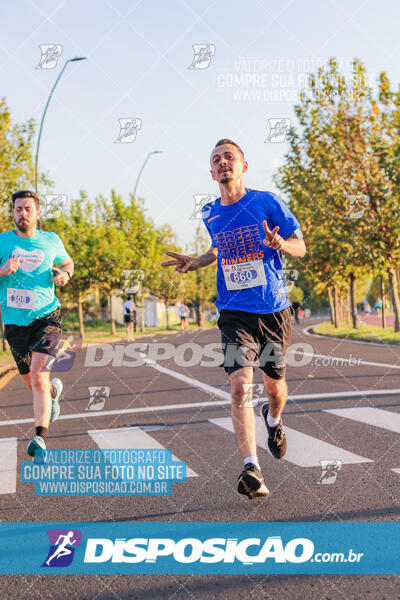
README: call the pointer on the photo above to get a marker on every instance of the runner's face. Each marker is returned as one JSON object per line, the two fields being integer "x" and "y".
{"x": 25, "y": 213}
{"x": 227, "y": 164}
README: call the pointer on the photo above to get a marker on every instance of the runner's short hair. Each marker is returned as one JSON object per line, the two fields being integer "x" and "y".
{"x": 226, "y": 141}
{"x": 25, "y": 194}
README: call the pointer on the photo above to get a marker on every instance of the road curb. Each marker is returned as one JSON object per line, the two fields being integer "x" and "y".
{"x": 308, "y": 331}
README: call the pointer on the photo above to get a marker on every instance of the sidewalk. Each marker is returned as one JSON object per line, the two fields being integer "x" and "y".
{"x": 376, "y": 320}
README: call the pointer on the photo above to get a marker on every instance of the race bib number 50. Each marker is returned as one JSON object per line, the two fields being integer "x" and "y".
{"x": 21, "y": 298}
{"x": 244, "y": 275}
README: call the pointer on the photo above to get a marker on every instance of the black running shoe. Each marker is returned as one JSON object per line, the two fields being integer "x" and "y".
{"x": 251, "y": 482}
{"x": 277, "y": 443}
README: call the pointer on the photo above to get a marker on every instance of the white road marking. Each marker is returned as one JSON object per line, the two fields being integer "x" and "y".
{"x": 8, "y": 465}
{"x": 396, "y": 471}
{"x": 129, "y": 438}
{"x": 377, "y": 417}
{"x": 303, "y": 450}
{"x": 225, "y": 399}
{"x": 194, "y": 382}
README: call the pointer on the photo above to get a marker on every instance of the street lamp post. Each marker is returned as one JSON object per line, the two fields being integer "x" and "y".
{"x": 143, "y": 166}
{"x": 44, "y": 114}
{"x": 134, "y": 195}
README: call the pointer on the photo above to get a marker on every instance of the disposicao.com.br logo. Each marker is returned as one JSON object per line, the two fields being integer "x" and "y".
{"x": 188, "y": 550}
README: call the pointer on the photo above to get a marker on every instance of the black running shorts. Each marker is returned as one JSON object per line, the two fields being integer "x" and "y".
{"x": 253, "y": 340}
{"x": 42, "y": 335}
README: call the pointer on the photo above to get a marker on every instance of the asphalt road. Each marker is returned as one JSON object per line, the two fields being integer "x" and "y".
{"x": 366, "y": 488}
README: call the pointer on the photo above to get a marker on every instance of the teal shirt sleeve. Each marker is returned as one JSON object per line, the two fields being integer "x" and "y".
{"x": 61, "y": 253}
{"x": 3, "y": 251}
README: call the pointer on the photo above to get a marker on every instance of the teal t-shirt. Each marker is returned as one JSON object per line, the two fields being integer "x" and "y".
{"x": 28, "y": 294}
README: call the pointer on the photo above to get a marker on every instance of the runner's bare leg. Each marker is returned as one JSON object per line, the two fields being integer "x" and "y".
{"x": 277, "y": 394}
{"x": 243, "y": 416}
{"x": 40, "y": 386}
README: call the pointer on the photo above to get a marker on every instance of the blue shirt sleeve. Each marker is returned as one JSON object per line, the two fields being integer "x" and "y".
{"x": 61, "y": 253}
{"x": 206, "y": 213}
{"x": 281, "y": 216}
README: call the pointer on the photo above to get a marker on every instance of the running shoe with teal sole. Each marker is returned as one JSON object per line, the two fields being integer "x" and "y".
{"x": 37, "y": 449}
{"x": 55, "y": 404}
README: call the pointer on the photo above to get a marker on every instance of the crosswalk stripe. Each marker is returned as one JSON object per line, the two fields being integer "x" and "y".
{"x": 396, "y": 471}
{"x": 8, "y": 465}
{"x": 303, "y": 450}
{"x": 369, "y": 415}
{"x": 129, "y": 438}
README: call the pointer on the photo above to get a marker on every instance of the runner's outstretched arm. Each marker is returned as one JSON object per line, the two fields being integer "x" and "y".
{"x": 184, "y": 263}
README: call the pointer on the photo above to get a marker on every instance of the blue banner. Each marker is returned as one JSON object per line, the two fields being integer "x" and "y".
{"x": 99, "y": 472}
{"x": 196, "y": 548}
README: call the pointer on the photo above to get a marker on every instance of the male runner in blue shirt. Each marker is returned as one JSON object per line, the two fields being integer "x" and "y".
{"x": 30, "y": 310}
{"x": 249, "y": 230}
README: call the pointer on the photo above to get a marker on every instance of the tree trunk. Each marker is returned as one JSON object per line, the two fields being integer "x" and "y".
{"x": 80, "y": 316}
{"x": 395, "y": 297}
{"x": 201, "y": 316}
{"x": 197, "y": 310}
{"x": 353, "y": 301}
{"x": 330, "y": 304}
{"x": 112, "y": 316}
{"x": 335, "y": 304}
{"x": 166, "y": 314}
{"x": 342, "y": 310}
{"x": 383, "y": 301}
{"x": 348, "y": 308}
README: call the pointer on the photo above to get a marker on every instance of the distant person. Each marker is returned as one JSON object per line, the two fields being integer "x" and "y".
{"x": 183, "y": 313}
{"x": 129, "y": 318}
{"x": 378, "y": 306}
{"x": 296, "y": 306}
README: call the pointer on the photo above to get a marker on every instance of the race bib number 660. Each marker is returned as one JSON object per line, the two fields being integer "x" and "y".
{"x": 21, "y": 298}
{"x": 244, "y": 275}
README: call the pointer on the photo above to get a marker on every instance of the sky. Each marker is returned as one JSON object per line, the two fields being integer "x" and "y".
{"x": 144, "y": 66}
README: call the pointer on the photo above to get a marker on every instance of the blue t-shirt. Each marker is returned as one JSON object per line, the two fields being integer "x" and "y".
{"x": 250, "y": 275}
{"x": 28, "y": 294}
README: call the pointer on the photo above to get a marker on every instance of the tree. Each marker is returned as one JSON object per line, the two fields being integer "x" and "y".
{"x": 200, "y": 286}
{"x": 114, "y": 248}
{"x": 165, "y": 283}
{"x": 16, "y": 166}
{"x": 80, "y": 234}
{"x": 338, "y": 174}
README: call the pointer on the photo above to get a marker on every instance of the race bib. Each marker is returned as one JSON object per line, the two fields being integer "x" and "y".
{"x": 21, "y": 298}
{"x": 244, "y": 275}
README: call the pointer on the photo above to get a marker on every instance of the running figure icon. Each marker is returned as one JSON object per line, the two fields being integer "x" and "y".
{"x": 62, "y": 549}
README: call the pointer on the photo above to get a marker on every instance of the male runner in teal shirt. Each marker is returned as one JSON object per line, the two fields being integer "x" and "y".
{"x": 30, "y": 309}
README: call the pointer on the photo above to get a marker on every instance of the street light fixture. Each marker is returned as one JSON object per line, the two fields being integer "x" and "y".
{"x": 143, "y": 166}
{"x": 44, "y": 114}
